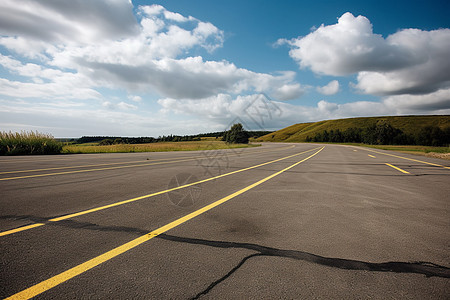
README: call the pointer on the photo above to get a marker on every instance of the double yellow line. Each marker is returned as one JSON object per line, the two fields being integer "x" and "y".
{"x": 23, "y": 228}
{"x": 79, "y": 269}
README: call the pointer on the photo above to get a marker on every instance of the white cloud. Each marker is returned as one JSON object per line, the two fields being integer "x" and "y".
{"x": 135, "y": 98}
{"x": 146, "y": 55}
{"x": 289, "y": 91}
{"x": 126, "y": 106}
{"x": 437, "y": 102}
{"x": 330, "y": 89}
{"x": 410, "y": 61}
{"x": 47, "y": 83}
{"x": 64, "y": 51}
{"x": 48, "y": 23}
{"x": 259, "y": 113}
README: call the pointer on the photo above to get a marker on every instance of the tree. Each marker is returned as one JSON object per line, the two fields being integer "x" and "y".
{"x": 433, "y": 136}
{"x": 236, "y": 135}
{"x": 106, "y": 142}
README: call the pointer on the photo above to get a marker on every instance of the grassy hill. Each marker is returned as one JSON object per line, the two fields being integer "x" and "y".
{"x": 408, "y": 124}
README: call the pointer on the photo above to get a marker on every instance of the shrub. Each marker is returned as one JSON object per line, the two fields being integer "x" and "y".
{"x": 106, "y": 142}
{"x": 236, "y": 135}
{"x": 28, "y": 143}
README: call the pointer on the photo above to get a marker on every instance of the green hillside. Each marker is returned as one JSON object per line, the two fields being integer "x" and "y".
{"x": 408, "y": 124}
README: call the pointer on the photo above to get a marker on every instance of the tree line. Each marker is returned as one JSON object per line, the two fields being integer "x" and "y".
{"x": 111, "y": 140}
{"x": 146, "y": 140}
{"x": 385, "y": 134}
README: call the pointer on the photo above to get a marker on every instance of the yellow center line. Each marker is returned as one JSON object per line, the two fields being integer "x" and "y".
{"x": 93, "y": 170}
{"x": 23, "y": 228}
{"x": 411, "y": 159}
{"x": 95, "y": 165}
{"x": 58, "y": 159}
{"x": 79, "y": 269}
{"x": 371, "y": 156}
{"x": 127, "y": 166}
{"x": 397, "y": 168}
{"x": 65, "y": 217}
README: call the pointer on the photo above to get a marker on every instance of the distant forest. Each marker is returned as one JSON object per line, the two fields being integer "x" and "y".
{"x": 109, "y": 140}
{"x": 385, "y": 134}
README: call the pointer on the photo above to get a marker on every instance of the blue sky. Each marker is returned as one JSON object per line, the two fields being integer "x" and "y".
{"x": 140, "y": 68}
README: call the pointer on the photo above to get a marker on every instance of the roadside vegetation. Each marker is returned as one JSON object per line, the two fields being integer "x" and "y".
{"x": 385, "y": 134}
{"x": 410, "y": 149}
{"x": 33, "y": 142}
{"x": 113, "y": 140}
{"x": 236, "y": 135}
{"x": 152, "y": 147}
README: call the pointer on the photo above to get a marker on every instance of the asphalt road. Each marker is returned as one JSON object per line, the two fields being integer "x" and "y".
{"x": 291, "y": 221}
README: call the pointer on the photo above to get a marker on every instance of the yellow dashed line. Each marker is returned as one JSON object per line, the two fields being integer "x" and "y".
{"x": 411, "y": 159}
{"x": 397, "y": 168}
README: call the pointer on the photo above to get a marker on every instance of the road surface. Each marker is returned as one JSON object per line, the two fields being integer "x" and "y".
{"x": 289, "y": 221}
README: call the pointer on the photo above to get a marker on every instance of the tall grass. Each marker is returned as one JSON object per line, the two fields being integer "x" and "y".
{"x": 15, "y": 143}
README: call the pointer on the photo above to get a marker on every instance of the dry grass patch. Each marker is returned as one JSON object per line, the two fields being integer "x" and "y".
{"x": 153, "y": 147}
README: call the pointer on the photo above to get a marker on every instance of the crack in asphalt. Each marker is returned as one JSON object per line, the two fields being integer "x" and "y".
{"x": 428, "y": 269}
{"x": 420, "y": 267}
{"x": 223, "y": 278}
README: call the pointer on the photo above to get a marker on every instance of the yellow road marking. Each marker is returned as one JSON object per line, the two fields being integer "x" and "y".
{"x": 8, "y": 232}
{"x": 23, "y": 228}
{"x": 397, "y": 168}
{"x": 96, "y": 165}
{"x": 59, "y": 158}
{"x": 355, "y": 150}
{"x": 77, "y": 270}
{"x": 128, "y": 166}
{"x": 371, "y": 156}
{"x": 411, "y": 159}
{"x": 93, "y": 170}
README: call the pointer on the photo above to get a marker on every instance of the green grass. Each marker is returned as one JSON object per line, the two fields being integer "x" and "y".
{"x": 14, "y": 143}
{"x": 153, "y": 147}
{"x": 402, "y": 148}
{"x": 299, "y": 132}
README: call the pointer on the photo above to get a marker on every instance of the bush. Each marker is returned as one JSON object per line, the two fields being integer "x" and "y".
{"x": 106, "y": 142}
{"x": 236, "y": 135}
{"x": 28, "y": 143}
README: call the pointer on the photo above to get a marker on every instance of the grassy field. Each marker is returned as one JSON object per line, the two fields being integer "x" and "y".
{"x": 436, "y": 152}
{"x": 299, "y": 132}
{"x": 153, "y": 147}
{"x": 419, "y": 149}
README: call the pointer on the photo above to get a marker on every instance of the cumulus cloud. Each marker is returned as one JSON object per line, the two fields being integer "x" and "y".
{"x": 53, "y": 22}
{"x": 109, "y": 47}
{"x": 410, "y": 61}
{"x": 289, "y": 91}
{"x": 46, "y": 82}
{"x": 126, "y": 106}
{"x": 437, "y": 102}
{"x": 74, "y": 120}
{"x": 135, "y": 98}
{"x": 330, "y": 89}
{"x": 257, "y": 112}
